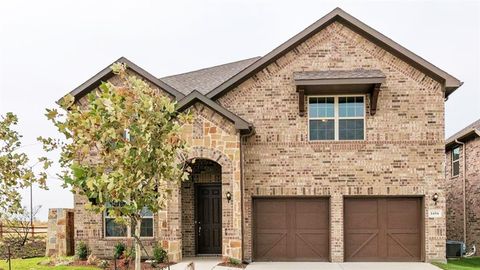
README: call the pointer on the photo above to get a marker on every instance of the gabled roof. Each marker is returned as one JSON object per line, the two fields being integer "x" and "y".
{"x": 451, "y": 83}
{"x": 107, "y": 73}
{"x": 471, "y": 131}
{"x": 206, "y": 79}
{"x": 196, "y": 96}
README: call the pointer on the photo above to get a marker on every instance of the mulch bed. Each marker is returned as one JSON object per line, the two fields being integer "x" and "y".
{"x": 227, "y": 264}
{"x": 131, "y": 266}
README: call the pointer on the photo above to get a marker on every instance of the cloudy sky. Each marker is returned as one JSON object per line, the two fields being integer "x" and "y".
{"x": 47, "y": 48}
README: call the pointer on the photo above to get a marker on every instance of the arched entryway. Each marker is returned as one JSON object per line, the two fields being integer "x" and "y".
{"x": 201, "y": 204}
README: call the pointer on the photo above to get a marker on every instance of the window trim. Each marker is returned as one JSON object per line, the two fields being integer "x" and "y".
{"x": 336, "y": 117}
{"x": 455, "y": 160}
{"x": 129, "y": 229}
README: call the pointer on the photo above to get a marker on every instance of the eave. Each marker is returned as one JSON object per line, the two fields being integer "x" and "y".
{"x": 195, "y": 96}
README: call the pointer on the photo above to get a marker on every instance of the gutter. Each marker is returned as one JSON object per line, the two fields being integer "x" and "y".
{"x": 243, "y": 138}
{"x": 464, "y": 191}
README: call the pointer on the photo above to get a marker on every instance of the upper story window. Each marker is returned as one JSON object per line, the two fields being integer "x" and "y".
{"x": 456, "y": 161}
{"x": 336, "y": 117}
{"x": 115, "y": 229}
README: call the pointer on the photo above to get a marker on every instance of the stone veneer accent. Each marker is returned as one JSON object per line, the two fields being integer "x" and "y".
{"x": 401, "y": 155}
{"x": 455, "y": 215}
{"x": 60, "y": 232}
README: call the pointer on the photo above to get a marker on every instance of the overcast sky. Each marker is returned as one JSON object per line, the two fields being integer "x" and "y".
{"x": 47, "y": 48}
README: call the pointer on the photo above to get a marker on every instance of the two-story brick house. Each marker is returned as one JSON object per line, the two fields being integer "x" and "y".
{"x": 462, "y": 154}
{"x": 328, "y": 148}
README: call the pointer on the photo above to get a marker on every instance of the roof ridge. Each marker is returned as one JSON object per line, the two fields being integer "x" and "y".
{"x": 450, "y": 83}
{"x": 206, "y": 68}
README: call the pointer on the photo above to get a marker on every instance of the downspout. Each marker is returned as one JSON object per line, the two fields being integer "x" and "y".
{"x": 464, "y": 192}
{"x": 243, "y": 138}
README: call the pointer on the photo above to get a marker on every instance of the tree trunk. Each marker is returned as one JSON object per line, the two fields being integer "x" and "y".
{"x": 138, "y": 247}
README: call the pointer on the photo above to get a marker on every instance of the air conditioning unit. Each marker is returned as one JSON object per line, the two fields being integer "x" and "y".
{"x": 455, "y": 249}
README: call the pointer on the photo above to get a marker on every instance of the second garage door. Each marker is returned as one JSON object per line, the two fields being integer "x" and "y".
{"x": 383, "y": 229}
{"x": 291, "y": 229}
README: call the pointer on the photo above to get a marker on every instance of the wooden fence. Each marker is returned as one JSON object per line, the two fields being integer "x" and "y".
{"x": 35, "y": 230}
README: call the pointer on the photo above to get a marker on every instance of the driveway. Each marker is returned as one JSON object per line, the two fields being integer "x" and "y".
{"x": 338, "y": 266}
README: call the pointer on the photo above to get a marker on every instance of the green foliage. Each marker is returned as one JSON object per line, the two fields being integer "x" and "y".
{"x": 81, "y": 251}
{"x": 103, "y": 264}
{"x": 122, "y": 146}
{"x": 40, "y": 263}
{"x": 15, "y": 171}
{"x": 234, "y": 261}
{"x": 129, "y": 253}
{"x": 460, "y": 264}
{"x": 159, "y": 254}
{"x": 118, "y": 250}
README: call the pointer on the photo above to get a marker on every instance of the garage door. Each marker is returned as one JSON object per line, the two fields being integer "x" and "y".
{"x": 291, "y": 229}
{"x": 383, "y": 229}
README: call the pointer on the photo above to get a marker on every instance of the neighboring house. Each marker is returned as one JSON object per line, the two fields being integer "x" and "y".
{"x": 462, "y": 154}
{"x": 328, "y": 148}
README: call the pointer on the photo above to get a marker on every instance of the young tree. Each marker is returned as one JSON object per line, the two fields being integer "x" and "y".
{"x": 20, "y": 226}
{"x": 122, "y": 148}
{"x": 15, "y": 171}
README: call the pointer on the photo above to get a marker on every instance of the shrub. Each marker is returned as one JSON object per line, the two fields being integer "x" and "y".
{"x": 119, "y": 250}
{"x": 159, "y": 254}
{"x": 103, "y": 264}
{"x": 82, "y": 251}
{"x": 234, "y": 261}
{"x": 92, "y": 260}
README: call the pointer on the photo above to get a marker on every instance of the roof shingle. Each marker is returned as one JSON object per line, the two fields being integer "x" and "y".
{"x": 205, "y": 80}
{"x": 338, "y": 74}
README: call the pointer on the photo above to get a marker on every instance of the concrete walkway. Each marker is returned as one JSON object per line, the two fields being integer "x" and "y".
{"x": 199, "y": 263}
{"x": 338, "y": 266}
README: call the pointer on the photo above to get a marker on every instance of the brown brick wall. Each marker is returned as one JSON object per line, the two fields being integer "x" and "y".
{"x": 402, "y": 153}
{"x": 455, "y": 215}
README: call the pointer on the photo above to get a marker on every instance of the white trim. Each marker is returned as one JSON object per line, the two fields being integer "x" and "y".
{"x": 456, "y": 161}
{"x": 336, "y": 116}
{"x": 129, "y": 229}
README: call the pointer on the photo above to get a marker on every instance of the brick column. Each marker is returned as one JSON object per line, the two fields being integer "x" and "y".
{"x": 336, "y": 223}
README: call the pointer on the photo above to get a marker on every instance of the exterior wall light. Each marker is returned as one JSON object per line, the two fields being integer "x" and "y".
{"x": 435, "y": 198}
{"x": 228, "y": 195}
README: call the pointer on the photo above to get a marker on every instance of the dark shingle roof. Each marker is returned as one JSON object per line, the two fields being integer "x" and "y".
{"x": 205, "y": 80}
{"x": 338, "y": 74}
{"x": 472, "y": 129}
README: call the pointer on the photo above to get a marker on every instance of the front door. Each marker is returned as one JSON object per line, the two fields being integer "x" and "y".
{"x": 209, "y": 219}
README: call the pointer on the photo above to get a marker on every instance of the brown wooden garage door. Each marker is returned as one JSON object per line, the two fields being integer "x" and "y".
{"x": 383, "y": 229}
{"x": 291, "y": 229}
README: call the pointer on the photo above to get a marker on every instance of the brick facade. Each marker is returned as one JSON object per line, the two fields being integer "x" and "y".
{"x": 455, "y": 216}
{"x": 402, "y": 154}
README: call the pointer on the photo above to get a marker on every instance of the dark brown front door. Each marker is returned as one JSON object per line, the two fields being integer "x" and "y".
{"x": 291, "y": 229}
{"x": 209, "y": 219}
{"x": 383, "y": 229}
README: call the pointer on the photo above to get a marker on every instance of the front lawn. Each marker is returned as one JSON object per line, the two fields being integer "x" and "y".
{"x": 461, "y": 264}
{"x": 32, "y": 264}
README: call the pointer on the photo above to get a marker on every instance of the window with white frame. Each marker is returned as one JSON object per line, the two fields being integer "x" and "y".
{"x": 116, "y": 229}
{"x": 336, "y": 117}
{"x": 456, "y": 161}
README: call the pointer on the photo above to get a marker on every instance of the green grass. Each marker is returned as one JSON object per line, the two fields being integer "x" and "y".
{"x": 32, "y": 264}
{"x": 461, "y": 264}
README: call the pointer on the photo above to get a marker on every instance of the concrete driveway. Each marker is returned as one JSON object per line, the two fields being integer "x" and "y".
{"x": 339, "y": 266}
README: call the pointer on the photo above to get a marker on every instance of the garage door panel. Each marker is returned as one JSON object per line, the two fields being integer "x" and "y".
{"x": 363, "y": 214}
{"x": 398, "y": 229}
{"x": 306, "y": 237}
